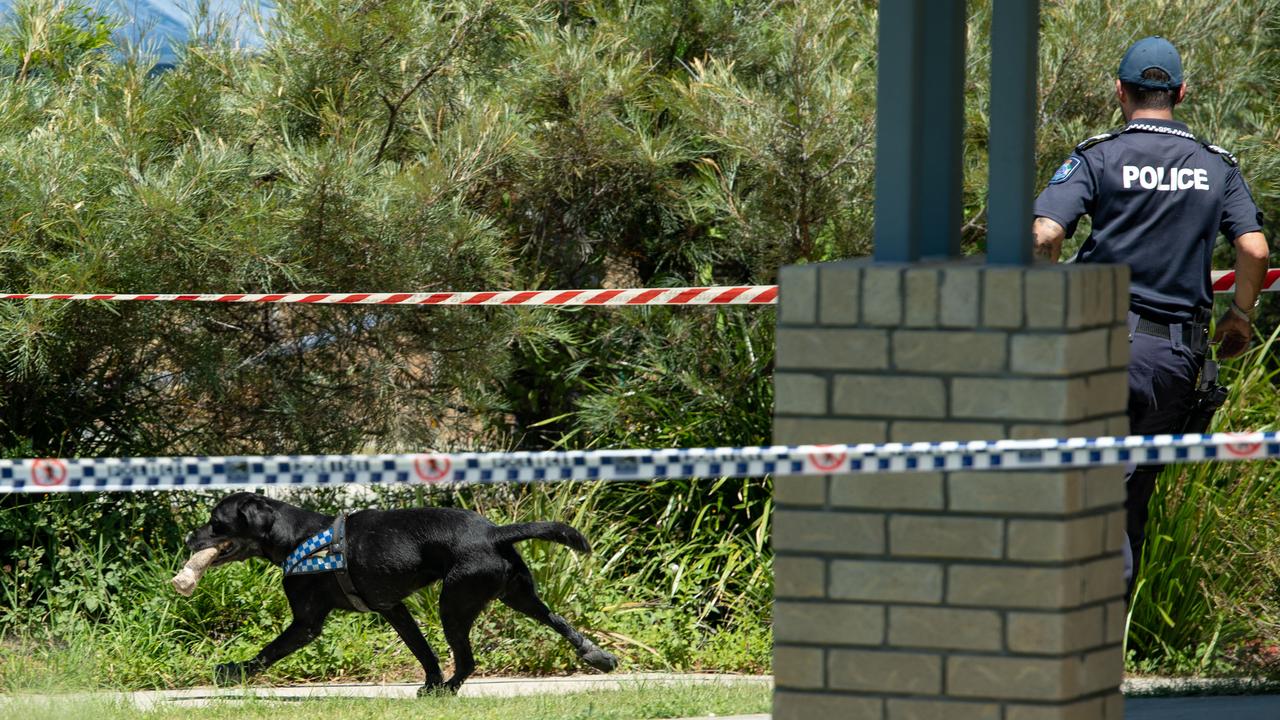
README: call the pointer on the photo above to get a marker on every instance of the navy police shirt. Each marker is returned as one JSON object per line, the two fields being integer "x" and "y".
{"x": 1158, "y": 199}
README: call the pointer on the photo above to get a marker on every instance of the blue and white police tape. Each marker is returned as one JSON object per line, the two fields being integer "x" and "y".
{"x": 172, "y": 473}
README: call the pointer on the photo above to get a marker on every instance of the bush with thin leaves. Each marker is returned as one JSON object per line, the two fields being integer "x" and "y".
{"x": 1206, "y": 598}
{"x": 470, "y": 144}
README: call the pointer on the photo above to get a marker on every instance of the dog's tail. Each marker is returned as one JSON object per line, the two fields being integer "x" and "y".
{"x": 553, "y": 531}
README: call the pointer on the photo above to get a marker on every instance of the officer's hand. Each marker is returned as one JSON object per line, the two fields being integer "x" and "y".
{"x": 1232, "y": 336}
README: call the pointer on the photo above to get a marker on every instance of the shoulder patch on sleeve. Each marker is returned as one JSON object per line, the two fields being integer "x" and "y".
{"x": 1103, "y": 137}
{"x": 1226, "y": 156}
{"x": 1065, "y": 170}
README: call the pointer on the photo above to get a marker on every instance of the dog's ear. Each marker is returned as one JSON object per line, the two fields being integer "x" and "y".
{"x": 257, "y": 514}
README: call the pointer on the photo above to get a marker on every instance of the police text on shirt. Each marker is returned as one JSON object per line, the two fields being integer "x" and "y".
{"x": 1153, "y": 178}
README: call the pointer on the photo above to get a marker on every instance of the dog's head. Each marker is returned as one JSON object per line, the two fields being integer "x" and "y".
{"x": 240, "y": 526}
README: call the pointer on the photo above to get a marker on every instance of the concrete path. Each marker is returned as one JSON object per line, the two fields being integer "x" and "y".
{"x": 1229, "y": 707}
{"x": 1263, "y": 707}
{"x": 480, "y": 687}
{"x": 1226, "y": 707}
{"x": 1141, "y": 707}
{"x": 1201, "y": 699}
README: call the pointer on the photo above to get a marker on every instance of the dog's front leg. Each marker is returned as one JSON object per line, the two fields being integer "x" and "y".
{"x": 407, "y": 628}
{"x": 300, "y": 632}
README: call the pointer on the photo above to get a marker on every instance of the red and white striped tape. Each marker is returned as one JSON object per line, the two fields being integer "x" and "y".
{"x": 727, "y": 295}
{"x": 1223, "y": 281}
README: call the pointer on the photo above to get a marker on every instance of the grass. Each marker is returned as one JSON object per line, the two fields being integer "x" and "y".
{"x": 639, "y": 703}
{"x": 358, "y": 649}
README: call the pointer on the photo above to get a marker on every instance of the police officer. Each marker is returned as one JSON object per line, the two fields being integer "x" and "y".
{"x": 1158, "y": 197}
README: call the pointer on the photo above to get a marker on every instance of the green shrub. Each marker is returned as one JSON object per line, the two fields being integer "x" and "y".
{"x": 1207, "y": 598}
{"x": 469, "y": 144}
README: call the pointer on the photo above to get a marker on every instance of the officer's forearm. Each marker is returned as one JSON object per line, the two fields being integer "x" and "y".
{"x": 1251, "y": 268}
{"x": 1048, "y": 238}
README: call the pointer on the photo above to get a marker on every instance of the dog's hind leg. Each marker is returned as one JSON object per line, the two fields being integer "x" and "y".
{"x": 461, "y": 600}
{"x": 521, "y": 595}
{"x": 407, "y": 628}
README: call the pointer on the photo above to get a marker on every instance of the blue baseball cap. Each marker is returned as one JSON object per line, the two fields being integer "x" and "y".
{"x": 1147, "y": 53}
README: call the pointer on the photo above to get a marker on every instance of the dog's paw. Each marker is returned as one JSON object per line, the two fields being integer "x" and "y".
{"x": 436, "y": 689}
{"x": 600, "y": 660}
{"x": 231, "y": 673}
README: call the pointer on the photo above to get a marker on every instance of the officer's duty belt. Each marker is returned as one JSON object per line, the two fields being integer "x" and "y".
{"x": 1195, "y": 334}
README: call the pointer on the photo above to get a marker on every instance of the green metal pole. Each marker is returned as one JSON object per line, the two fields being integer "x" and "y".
{"x": 939, "y": 172}
{"x": 899, "y": 97}
{"x": 1015, "y": 36}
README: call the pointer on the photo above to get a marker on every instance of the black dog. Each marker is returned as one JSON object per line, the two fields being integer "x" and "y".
{"x": 393, "y": 554}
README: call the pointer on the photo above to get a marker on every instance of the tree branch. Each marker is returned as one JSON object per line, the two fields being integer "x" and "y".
{"x": 393, "y": 108}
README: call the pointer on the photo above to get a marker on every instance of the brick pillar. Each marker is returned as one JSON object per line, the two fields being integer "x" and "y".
{"x": 949, "y": 596}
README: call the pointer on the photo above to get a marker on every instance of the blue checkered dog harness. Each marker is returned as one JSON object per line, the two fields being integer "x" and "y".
{"x": 326, "y": 551}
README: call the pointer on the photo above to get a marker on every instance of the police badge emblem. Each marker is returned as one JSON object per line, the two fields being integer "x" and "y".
{"x": 1065, "y": 170}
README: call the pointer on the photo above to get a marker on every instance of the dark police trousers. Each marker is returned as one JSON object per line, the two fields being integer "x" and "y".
{"x": 1162, "y": 380}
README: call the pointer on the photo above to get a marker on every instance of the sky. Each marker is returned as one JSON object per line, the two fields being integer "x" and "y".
{"x": 165, "y": 24}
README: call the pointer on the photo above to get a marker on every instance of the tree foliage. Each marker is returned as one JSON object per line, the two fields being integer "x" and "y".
{"x": 414, "y": 145}
{"x": 468, "y": 144}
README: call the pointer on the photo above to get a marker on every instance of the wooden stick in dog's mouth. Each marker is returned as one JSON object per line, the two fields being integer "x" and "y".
{"x": 185, "y": 581}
